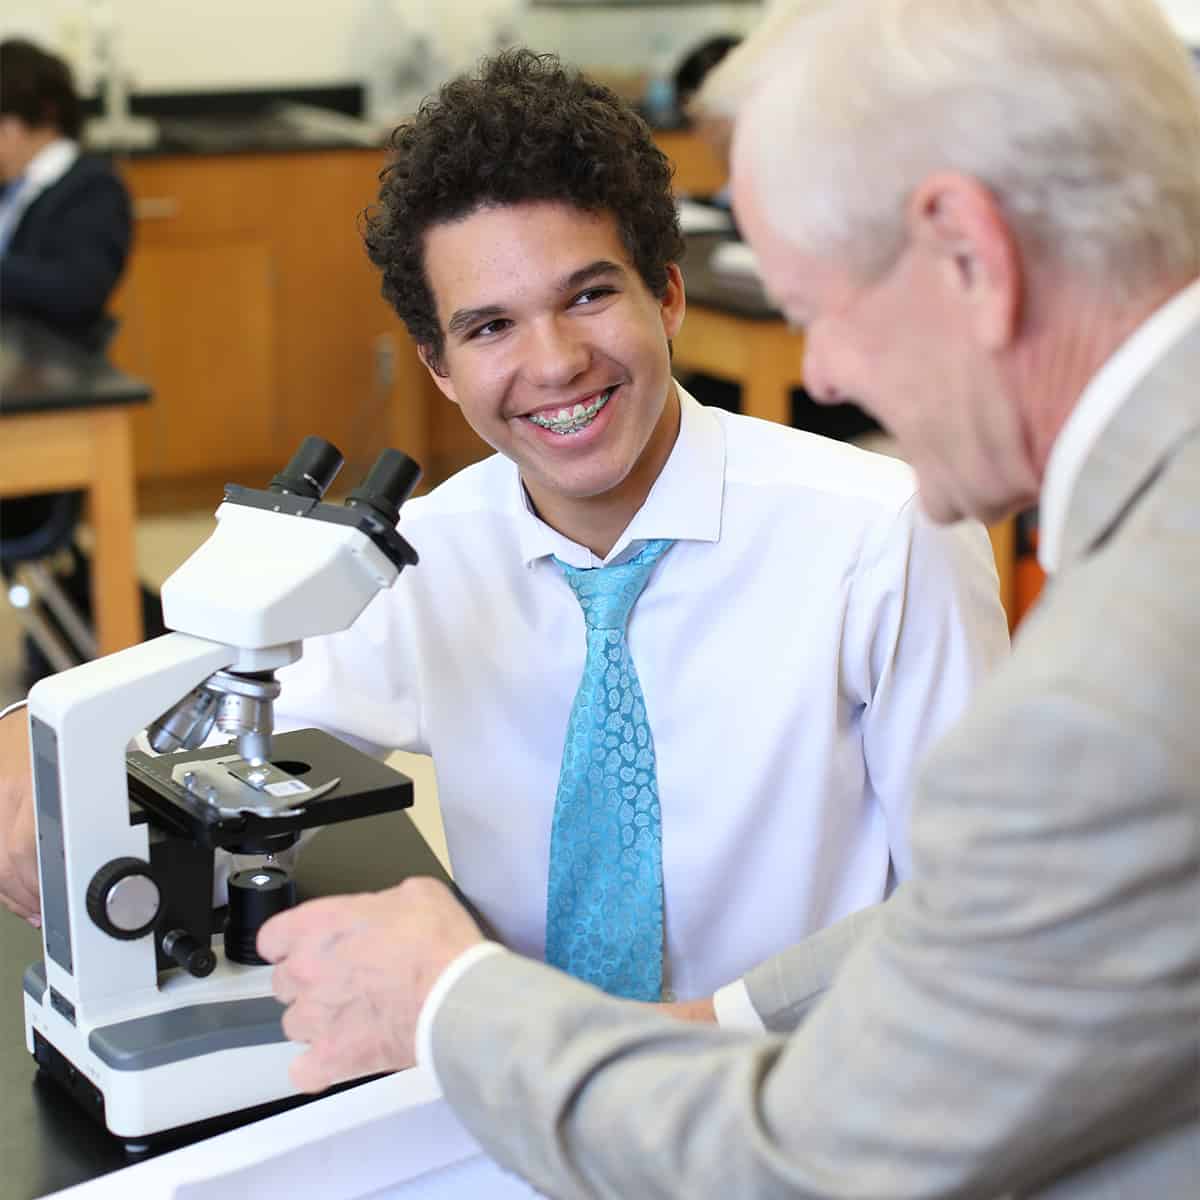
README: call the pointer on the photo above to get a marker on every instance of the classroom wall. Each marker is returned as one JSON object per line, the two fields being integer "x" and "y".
{"x": 182, "y": 45}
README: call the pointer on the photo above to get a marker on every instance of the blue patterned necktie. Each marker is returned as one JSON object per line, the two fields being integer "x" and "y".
{"x": 604, "y": 911}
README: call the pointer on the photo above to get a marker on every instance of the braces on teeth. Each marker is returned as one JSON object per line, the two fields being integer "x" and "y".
{"x": 576, "y": 419}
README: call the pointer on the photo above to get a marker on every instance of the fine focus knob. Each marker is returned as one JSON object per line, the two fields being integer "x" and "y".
{"x": 123, "y": 898}
{"x": 192, "y": 955}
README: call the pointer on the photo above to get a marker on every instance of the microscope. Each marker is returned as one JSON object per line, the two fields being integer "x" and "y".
{"x": 147, "y": 1018}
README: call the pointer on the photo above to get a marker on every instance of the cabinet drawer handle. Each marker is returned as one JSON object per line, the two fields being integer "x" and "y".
{"x": 156, "y": 208}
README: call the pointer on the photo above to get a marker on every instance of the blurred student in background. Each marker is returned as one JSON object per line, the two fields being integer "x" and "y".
{"x": 65, "y": 225}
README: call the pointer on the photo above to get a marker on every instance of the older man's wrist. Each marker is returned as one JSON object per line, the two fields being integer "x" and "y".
{"x": 453, "y": 972}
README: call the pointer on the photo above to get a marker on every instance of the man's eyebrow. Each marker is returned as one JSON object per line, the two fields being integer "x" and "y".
{"x": 465, "y": 318}
{"x": 594, "y": 270}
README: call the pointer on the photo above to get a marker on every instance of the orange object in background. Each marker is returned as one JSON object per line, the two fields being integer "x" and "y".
{"x": 1028, "y": 576}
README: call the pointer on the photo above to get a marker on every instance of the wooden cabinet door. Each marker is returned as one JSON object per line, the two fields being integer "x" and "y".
{"x": 699, "y": 170}
{"x": 249, "y": 305}
{"x": 198, "y": 322}
{"x": 336, "y": 341}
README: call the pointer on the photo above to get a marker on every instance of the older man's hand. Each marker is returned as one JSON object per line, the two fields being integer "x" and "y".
{"x": 354, "y": 972}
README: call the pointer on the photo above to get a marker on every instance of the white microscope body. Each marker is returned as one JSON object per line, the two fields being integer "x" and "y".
{"x": 147, "y": 1025}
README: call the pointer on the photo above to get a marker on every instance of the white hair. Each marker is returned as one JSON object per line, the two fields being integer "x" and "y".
{"x": 1081, "y": 116}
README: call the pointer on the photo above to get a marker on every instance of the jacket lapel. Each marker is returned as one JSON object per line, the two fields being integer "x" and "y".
{"x": 1162, "y": 411}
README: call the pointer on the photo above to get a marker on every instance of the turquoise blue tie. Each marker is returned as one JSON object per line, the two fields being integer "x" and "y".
{"x": 604, "y": 910}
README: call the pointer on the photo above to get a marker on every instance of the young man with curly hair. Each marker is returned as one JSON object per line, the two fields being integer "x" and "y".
{"x": 737, "y": 766}
{"x": 801, "y": 640}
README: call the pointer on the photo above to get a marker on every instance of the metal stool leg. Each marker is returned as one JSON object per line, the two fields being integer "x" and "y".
{"x": 45, "y": 637}
{"x": 42, "y": 582}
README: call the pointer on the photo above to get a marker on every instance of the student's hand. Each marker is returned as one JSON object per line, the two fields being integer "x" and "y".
{"x": 18, "y": 838}
{"x": 691, "y": 1010}
{"x": 354, "y": 972}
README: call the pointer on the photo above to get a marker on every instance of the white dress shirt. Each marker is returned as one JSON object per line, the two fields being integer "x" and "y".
{"x": 803, "y": 642}
{"x": 1098, "y": 404}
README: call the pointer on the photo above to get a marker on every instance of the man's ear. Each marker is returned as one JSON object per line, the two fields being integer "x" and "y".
{"x": 958, "y": 221}
{"x": 432, "y": 365}
{"x": 673, "y": 304}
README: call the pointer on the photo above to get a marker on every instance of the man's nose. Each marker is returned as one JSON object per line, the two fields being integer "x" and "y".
{"x": 555, "y": 354}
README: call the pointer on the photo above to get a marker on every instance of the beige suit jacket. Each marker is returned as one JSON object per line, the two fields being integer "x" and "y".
{"x": 1024, "y": 1015}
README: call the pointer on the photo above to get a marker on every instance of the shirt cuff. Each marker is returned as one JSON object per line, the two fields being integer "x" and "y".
{"x": 423, "y": 1043}
{"x": 734, "y": 1009}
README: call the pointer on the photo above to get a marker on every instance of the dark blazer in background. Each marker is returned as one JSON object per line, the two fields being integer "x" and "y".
{"x": 68, "y": 251}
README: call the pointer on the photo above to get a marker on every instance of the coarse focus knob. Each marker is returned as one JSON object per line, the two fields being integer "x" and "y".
{"x": 124, "y": 898}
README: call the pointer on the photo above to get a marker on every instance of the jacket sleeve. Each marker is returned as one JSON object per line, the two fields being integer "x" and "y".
{"x": 70, "y": 276}
{"x": 785, "y": 989}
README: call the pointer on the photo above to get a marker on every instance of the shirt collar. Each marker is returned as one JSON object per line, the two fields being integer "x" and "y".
{"x": 50, "y": 164}
{"x": 684, "y": 504}
{"x": 1098, "y": 404}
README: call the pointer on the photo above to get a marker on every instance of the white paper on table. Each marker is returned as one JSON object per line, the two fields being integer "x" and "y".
{"x": 734, "y": 258}
{"x": 376, "y": 1140}
{"x": 468, "y": 1180}
{"x": 702, "y": 218}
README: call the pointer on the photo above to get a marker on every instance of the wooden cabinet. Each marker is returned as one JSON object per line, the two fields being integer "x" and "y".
{"x": 250, "y": 306}
{"x": 699, "y": 170}
{"x": 197, "y": 320}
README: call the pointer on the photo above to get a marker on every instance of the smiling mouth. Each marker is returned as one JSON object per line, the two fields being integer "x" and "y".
{"x": 572, "y": 418}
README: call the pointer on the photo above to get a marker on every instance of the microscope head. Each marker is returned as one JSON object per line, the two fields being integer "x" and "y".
{"x": 281, "y": 566}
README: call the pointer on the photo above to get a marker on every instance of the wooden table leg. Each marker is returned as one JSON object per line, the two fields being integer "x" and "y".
{"x": 772, "y": 369}
{"x": 116, "y": 601}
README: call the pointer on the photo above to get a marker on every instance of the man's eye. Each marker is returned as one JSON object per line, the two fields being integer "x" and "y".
{"x": 490, "y": 328}
{"x": 591, "y": 295}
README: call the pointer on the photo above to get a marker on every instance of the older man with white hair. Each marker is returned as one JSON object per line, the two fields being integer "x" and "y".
{"x": 986, "y": 216}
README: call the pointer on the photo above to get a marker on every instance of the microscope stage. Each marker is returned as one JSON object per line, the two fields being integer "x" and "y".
{"x": 344, "y": 784}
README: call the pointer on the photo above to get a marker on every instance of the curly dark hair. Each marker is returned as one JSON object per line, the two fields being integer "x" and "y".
{"x": 523, "y": 128}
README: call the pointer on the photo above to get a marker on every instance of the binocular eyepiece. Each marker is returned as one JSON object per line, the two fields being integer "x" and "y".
{"x": 314, "y": 466}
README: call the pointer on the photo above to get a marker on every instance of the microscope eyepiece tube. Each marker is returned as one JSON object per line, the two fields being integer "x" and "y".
{"x": 388, "y": 484}
{"x": 311, "y": 469}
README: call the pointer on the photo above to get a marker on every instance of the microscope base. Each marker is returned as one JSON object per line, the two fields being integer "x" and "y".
{"x": 157, "y": 1073}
